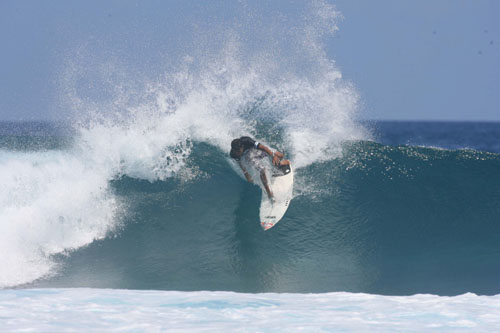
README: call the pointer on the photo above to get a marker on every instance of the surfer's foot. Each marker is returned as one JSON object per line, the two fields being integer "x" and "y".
{"x": 272, "y": 199}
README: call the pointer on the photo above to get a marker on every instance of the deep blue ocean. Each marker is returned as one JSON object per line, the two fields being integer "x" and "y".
{"x": 413, "y": 209}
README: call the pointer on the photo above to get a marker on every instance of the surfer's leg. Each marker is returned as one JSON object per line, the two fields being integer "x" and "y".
{"x": 265, "y": 183}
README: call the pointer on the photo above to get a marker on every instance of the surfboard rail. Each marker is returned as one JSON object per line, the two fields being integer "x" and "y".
{"x": 281, "y": 185}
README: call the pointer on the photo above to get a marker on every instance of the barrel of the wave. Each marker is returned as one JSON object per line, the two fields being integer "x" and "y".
{"x": 281, "y": 184}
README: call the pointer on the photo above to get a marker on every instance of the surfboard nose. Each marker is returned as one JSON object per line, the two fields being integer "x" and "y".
{"x": 266, "y": 225}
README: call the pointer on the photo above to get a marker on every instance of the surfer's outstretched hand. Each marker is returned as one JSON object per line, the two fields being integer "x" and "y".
{"x": 277, "y": 156}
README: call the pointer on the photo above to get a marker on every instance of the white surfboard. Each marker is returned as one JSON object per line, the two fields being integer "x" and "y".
{"x": 281, "y": 185}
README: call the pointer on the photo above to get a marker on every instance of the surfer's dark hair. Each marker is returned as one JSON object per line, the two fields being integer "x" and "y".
{"x": 235, "y": 147}
{"x": 235, "y": 144}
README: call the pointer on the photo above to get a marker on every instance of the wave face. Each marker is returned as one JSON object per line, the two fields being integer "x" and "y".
{"x": 378, "y": 219}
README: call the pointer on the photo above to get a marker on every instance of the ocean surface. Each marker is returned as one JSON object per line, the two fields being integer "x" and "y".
{"x": 416, "y": 211}
{"x": 412, "y": 210}
{"x": 97, "y": 310}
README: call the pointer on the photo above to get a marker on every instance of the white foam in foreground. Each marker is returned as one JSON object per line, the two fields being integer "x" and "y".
{"x": 101, "y": 309}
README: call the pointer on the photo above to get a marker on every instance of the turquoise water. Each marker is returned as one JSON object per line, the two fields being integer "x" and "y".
{"x": 381, "y": 218}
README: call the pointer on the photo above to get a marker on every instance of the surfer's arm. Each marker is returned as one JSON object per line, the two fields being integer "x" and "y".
{"x": 245, "y": 172}
{"x": 276, "y": 156}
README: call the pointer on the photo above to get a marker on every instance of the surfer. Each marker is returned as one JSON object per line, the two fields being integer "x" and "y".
{"x": 253, "y": 151}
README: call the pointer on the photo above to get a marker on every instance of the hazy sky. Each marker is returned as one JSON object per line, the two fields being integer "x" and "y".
{"x": 425, "y": 59}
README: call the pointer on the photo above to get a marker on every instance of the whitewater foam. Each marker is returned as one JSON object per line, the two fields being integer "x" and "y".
{"x": 51, "y": 202}
{"x": 99, "y": 309}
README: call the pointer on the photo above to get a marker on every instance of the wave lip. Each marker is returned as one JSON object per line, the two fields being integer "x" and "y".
{"x": 51, "y": 202}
